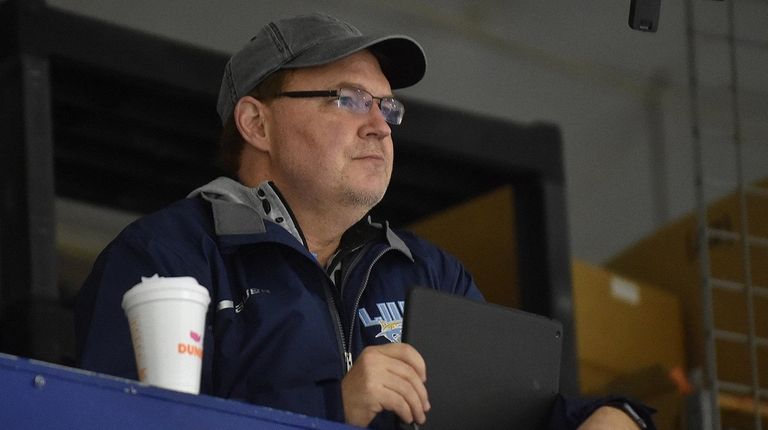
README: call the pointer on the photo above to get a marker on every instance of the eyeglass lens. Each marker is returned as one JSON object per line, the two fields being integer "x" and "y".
{"x": 360, "y": 101}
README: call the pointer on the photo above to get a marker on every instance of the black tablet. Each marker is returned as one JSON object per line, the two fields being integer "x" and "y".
{"x": 488, "y": 366}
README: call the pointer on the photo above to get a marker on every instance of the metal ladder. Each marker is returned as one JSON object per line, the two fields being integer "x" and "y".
{"x": 737, "y": 234}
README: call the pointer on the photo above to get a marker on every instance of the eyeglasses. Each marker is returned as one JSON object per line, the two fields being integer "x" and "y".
{"x": 357, "y": 101}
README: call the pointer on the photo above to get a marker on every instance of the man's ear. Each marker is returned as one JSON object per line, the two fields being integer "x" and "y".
{"x": 250, "y": 119}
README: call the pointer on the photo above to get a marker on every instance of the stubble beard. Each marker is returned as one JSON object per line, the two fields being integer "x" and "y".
{"x": 363, "y": 197}
{"x": 362, "y": 200}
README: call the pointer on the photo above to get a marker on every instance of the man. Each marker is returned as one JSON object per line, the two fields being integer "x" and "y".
{"x": 302, "y": 284}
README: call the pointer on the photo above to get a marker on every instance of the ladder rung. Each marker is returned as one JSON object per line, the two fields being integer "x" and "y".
{"x": 726, "y": 285}
{"x": 727, "y": 235}
{"x": 757, "y": 191}
{"x": 736, "y": 337}
{"x": 741, "y": 403}
{"x": 717, "y": 233}
{"x": 759, "y": 241}
{"x": 733, "y": 387}
{"x": 732, "y": 236}
{"x": 736, "y": 388}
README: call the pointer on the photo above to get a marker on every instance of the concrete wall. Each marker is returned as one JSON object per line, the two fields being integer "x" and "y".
{"x": 620, "y": 96}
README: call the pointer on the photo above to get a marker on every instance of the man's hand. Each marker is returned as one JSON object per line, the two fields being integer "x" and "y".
{"x": 608, "y": 418}
{"x": 386, "y": 377}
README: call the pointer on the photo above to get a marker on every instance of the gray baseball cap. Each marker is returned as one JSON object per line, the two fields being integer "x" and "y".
{"x": 313, "y": 40}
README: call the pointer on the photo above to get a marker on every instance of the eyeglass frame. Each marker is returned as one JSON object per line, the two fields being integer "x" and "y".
{"x": 337, "y": 94}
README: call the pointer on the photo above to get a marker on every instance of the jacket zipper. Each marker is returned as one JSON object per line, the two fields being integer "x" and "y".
{"x": 345, "y": 344}
{"x": 348, "y": 353}
{"x": 347, "y": 361}
{"x": 347, "y": 357}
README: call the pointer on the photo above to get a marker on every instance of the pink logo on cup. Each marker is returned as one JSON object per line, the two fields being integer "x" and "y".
{"x": 195, "y": 336}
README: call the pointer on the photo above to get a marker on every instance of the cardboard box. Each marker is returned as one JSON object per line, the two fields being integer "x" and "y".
{"x": 622, "y": 325}
{"x": 629, "y": 338}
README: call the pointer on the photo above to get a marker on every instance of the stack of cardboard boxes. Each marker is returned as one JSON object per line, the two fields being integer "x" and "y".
{"x": 669, "y": 260}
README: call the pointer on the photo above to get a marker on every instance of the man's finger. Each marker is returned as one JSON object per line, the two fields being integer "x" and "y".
{"x": 408, "y": 354}
{"x": 405, "y": 372}
{"x": 396, "y": 397}
{"x": 409, "y": 398}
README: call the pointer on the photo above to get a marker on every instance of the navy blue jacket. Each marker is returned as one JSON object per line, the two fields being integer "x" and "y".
{"x": 281, "y": 328}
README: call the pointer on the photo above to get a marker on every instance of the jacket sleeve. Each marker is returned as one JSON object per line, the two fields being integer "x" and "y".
{"x": 465, "y": 284}
{"x": 448, "y": 272}
{"x": 568, "y": 413}
{"x": 103, "y": 339}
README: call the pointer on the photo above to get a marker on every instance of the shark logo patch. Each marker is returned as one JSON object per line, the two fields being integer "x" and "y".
{"x": 390, "y": 320}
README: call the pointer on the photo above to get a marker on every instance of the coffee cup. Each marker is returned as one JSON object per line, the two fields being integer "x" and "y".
{"x": 167, "y": 321}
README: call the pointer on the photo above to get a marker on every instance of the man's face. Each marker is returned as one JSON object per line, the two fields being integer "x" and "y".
{"x": 322, "y": 154}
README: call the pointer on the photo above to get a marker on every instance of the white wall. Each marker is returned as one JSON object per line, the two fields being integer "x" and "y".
{"x": 620, "y": 96}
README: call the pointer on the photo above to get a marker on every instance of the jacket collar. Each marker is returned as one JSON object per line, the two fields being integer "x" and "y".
{"x": 238, "y": 209}
{"x": 241, "y": 210}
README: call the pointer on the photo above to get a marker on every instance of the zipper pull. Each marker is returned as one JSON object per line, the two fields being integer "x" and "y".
{"x": 348, "y": 357}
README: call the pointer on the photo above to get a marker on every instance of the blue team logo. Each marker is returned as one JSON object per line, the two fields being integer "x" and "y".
{"x": 389, "y": 321}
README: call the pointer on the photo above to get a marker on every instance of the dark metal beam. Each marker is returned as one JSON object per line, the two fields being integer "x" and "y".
{"x": 130, "y": 53}
{"x": 496, "y": 144}
{"x": 544, "y": 259}
{"x": 27, "y": 225}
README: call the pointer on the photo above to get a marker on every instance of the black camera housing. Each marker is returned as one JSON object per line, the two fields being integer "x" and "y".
{"x": 644, "y": 15}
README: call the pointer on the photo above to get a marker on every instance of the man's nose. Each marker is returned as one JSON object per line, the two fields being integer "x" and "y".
{"x": 378, "y": 124}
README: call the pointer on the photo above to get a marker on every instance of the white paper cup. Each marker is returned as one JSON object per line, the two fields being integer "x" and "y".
{"x": 167, "y": 321}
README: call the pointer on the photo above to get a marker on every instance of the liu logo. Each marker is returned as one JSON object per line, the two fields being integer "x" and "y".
{"x": 390, "y": 320}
